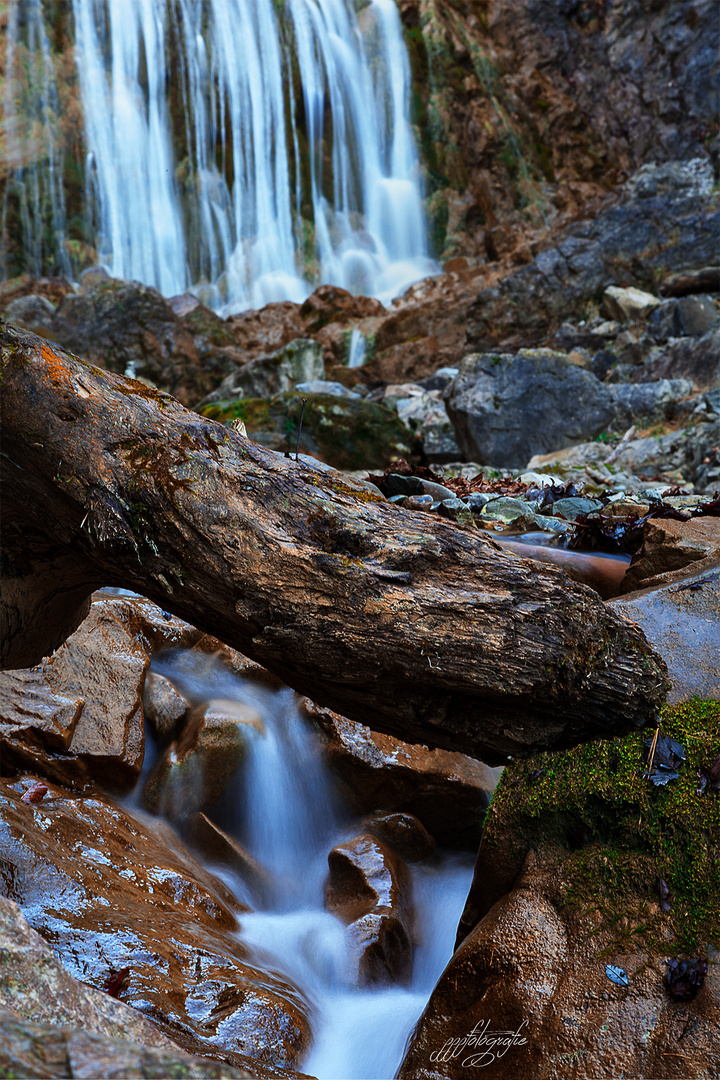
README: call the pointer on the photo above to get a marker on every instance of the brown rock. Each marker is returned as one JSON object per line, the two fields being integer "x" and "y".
{"x": 448, "y": 792}
{"x": 217, "y": 846}
{"x": 163, "y": 706}
{"x": 82, "y": 706}
{"x": 533, "y": 972}
{"x": 109, "y": 892}
{"x": 368, "y": 889}
{"x": 196, "y": 767}
{"x": 331, "y": 304}
{"x": 404, "y": 833}
{"x": 670, "y": 545}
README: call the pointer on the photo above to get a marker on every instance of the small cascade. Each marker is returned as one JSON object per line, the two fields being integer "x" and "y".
{"x": 283, "y": 809}
{"x": 242, "y": 149}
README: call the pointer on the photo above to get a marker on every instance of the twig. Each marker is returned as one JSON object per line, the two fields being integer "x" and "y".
{"x": 297, "y": 444}
{"x": 651, "y": 758}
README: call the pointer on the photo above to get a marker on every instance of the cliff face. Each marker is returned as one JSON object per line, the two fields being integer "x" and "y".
{"x": 528, "y": 108}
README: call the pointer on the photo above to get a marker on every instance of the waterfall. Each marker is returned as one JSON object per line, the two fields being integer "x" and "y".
{"x": 246, "y": 150}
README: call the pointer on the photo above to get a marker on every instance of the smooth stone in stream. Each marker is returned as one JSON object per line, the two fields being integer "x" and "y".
{"x": 456, "y": 510}
{"x": 109, "y": 891}
{"x": 195, "y": 768}
{"x": 572, "y": 508}
{"x": 215, "y": 845}
{"x": 368, "y": 889}
{"x": 404, "y": 833}
{"x": 670, "y": 545}
{"x": 163, "y": 706}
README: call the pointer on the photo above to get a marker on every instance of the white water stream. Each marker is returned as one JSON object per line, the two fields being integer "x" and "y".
{"x": 245, "y": 149}
{"x": 283, "y": 809}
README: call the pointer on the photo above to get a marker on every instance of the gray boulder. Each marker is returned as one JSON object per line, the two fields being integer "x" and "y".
{"x": 507, "y": 408}
{"x": 647, "y": 402}
{"x": 688, "y": 316}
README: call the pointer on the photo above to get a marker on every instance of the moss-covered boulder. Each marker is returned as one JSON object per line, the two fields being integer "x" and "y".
{"x": 577, "y": 858}
{"x": 347, "y": 433}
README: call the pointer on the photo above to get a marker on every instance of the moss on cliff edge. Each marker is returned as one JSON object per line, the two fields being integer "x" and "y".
{"x": 623, "y": 833}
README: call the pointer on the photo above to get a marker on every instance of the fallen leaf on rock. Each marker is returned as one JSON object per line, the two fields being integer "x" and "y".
{"x": 114, "y": 982}
{"x": 663, "y": 891}
{"x": 35, "y": 794}
{"x": 616, "y": 975}
{"x": 684, "y": 978}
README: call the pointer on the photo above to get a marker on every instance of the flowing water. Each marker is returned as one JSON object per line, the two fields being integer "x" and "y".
{"x": 283, "y": 808}
{"x": 245, "y": 149}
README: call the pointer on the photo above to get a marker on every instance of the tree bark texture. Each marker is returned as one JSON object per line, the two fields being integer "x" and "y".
{"x": 397, "y": 619}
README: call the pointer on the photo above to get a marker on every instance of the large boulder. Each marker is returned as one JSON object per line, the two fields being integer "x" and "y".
{"x": 588, "y": 880}
{"x": 347, "y": 433}
{"x": 448, "y": 792}
{"x": 110, "y": 892}
{"x": 300, "y": 361}
{"x": 507, "y": 408}
{"x": 130, "y": 328}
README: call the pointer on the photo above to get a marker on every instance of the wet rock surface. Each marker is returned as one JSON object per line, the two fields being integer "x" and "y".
{"x": 84, "y": 703}
{"x": 108, "y": 892}
{"x": 368, "y": 888}
{"x": 448, "y": 792}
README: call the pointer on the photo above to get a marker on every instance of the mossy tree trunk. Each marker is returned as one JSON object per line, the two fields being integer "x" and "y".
{"x": 396, "y": 619}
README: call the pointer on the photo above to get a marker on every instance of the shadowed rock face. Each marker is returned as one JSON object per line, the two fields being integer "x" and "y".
{"x": 109, "y": 892}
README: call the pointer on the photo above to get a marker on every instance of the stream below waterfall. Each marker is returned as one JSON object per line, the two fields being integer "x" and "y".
{"x": 282, "y": 807}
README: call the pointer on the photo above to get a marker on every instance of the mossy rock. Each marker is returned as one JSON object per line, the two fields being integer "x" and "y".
{"x": 622, "y": 833}
{"x": 347, "y": 433}
{"x": 202, "y": 322}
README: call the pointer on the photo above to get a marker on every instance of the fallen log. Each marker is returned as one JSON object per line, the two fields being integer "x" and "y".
{"x": 400, "y": 620}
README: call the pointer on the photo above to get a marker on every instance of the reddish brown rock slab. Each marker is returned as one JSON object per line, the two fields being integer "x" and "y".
{"x": 109, "y": 891}
{"x": 448, "y": 792}
{"x": 670, "y": 545}
{"x": 82, "y": 706}
{"x": 195, "y": 768}
{"x": 681, "y": 620}
{"x": 526, "y": 995}
{"x": 368, "y": 888}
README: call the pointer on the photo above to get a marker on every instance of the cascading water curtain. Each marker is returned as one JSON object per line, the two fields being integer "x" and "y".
{"x": 250, "y": 149}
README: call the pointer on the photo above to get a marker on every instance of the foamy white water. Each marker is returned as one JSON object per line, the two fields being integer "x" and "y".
{"x": 287, "y": 160}
{"x": 282, "y": 807}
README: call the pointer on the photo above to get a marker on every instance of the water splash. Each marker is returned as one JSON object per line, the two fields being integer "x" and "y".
{"x": 250, "y": 151}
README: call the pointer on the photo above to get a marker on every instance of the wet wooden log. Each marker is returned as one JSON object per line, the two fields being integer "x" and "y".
{"x": 409, "y": 623}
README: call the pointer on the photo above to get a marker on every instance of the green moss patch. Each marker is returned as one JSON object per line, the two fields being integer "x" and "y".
{"x": 622, "y": 833}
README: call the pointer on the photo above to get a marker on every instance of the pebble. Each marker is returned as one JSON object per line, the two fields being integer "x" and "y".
{"x": 418, "y": 502}
{"x": 457, "y": 510}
